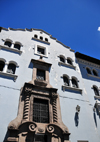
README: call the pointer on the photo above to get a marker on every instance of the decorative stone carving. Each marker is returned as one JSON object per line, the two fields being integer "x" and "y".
{"x": 40, "y": 130}
{"x": 50, "y": 129}
{"x": 11, "y": 127}
{"x": 26, "y": 108}
{"x": 54, "y": 95}
{"x": 32, "y": 127}
{"x": 28, "y": 90}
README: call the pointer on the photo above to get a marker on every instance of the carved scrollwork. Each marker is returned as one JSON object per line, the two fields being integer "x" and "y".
{"x": 50, "y": 129}
{"x": 54, "y": 95}
{"x": 32, "y": 127}
{"x": 28, "y": 90}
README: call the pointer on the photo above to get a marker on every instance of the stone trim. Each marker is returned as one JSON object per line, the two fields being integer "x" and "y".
{"x": 67, "y": 65}
{"x": 97, "y": 97}
{"x": 71, "y": 88}
{"x": 10, "y": 49}
{"x": 94, "y": 76}
{"x": 9, "y": 75}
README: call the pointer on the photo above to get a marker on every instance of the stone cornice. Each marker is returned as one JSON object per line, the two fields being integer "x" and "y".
{"x": 88, "y": 63}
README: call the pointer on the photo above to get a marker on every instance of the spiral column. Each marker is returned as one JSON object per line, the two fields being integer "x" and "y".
{"x": 54, "y": 104}
{"x": 26, "y": 108}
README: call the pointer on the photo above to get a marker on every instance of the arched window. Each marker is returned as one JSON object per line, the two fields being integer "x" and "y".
{"x": 2, "y": 64}
{"x": 46, "y": 39}
{"x": 66, "y": 80}
{"x": 95, "y": 73}
{"x": 74, "y": 83}
{"x": 62, "y": 59}
{"x": 69, "y": 61}
{"x": 96, "y": 92}
{"x": 41, "y": 37}
{"x": 8, "y": 43}
{"x": 11, "y": 68}
{"x": 88, "y": 70}
{"x": 17, "y": 46}
{"x": 35, "y": 36}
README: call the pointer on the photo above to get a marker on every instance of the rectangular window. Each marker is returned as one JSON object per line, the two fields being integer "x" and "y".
{"x": 40, "y": 75}
{"x": 40, "y": 111}
{"x": 40, "y": 50}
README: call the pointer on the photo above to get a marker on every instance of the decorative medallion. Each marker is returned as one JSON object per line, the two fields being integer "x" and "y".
{"x": 40, "y": 130}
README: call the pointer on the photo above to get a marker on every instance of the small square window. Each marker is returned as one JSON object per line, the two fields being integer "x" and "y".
{"x": 40, "y": 75}
{"x": 40, "y": 50}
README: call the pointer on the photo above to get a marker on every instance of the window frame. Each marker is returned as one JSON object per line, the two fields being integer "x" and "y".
{"x": 45, "y": 50}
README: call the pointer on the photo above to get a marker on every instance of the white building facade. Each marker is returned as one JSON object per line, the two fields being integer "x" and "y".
{"x": 45, "y": 93}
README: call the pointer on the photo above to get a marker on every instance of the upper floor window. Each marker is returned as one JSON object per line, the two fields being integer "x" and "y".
{"x": 8, "y": 43}
{"x": 62, "y": 59}
{"x": 2, "y": 64}
{"x": 40, "y": 111}
{"x": 46, "y": 39}
{"x": 95, "y": 73}
{"x": 74, "y": 83}
{"x": 88, "y": 70}
{"x": 96, "y": 91}
{"x": 41, "y": 37}
{"x": 66, "y": 80}
{"x": 40, "y": 75}
{"x": 11, "y": 68}
{"x": 69, "y": 61}
{"x": 35, "y": 36}
{"x": 17, "y": 46}
{"x": 40, "y": 50}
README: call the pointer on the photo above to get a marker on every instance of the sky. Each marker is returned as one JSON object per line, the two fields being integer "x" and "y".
{"x": 75, "y": 23}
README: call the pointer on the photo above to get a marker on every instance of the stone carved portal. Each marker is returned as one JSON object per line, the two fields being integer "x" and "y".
{"x": 39, "y": 117}
{"x": 24, "y": 129}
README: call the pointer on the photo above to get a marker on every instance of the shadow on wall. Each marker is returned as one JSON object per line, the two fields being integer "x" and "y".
{"x": 95, "y": 120}
{"x": 30, "y": 65}
{"x": 76, "y": 119}
{"x": 6, "y": 136}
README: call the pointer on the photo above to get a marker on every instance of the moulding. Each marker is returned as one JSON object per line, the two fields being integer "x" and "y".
{"x": 88, "y": 63}
{"x": 10, "y": 49}
{"x": 67, "y": 65}
{"x": 93, "y": 76}
{"x": 9, "y": 75}
{"x": 97, "y": 97}
{"x": 71, "y": 88}
{"x": 40, "y": 40}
